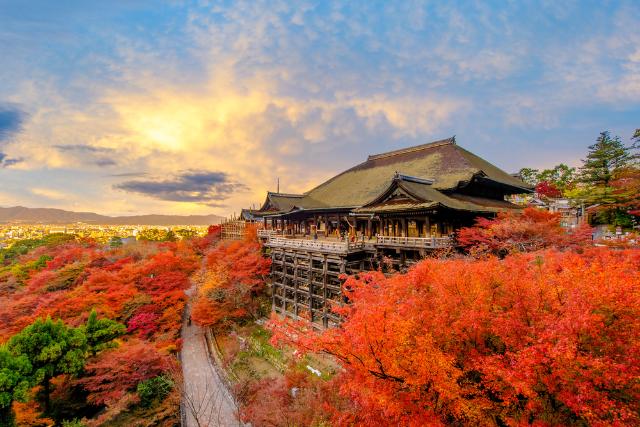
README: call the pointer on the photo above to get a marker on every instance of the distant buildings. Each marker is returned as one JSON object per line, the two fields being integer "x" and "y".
{"x": 98, "y": 232}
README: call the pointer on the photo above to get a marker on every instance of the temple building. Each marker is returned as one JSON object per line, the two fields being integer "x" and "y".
{"x": 394, "y": 206}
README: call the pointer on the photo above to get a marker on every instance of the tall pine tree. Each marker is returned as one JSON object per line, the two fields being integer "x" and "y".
{"x": 606, "y": 159}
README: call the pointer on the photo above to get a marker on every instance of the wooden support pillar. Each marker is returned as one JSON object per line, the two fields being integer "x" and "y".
{"x": 325, "y": 309}
{"x": 369, "y": 228}
{"x": 275, "y": 284}
{"x": 284, "y": 289}
{"x": 427, "y": 226}
{"x": 295, "y": 285}
{"x": 403, "y": 224}
{"x": 310, "y": 281}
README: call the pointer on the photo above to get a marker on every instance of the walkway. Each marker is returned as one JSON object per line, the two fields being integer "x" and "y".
{"x": 205, "y": 398}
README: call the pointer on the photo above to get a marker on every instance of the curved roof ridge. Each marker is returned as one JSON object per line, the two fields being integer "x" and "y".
{"x": 420, "y": 147}
{"x": 273, "y": 193}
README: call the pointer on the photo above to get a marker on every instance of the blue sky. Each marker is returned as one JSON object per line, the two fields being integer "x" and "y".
{"x": 184, "y": 107}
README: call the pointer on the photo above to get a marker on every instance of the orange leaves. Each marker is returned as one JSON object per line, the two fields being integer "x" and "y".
{"x": 532, "y": 230}
{"x": 118, "y": 371}
{"x": 232, "y": 285}
{"x": 141, "y": 285}
{"x": 544, "y": 337}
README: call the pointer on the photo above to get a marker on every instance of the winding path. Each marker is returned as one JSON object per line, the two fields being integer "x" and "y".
{"x": 205, "y": 399}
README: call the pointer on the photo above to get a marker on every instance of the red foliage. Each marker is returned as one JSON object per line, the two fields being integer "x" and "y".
{"x": 116, "y": 372}
{"x": 550, "y": 338}
{"x": 296, "y": 399}
{"x": 626, "y": 190}
{"x": 531, "y": 230}
{"x": 235, "y": 277}
{"x": 548, "y": 189}
{"x": 201, "y": 244}
{"x": 141, "y": 285}
{"x": 144, "y": 323}
{"x": 66, "y": 255}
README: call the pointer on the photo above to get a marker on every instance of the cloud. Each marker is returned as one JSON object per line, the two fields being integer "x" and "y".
{"x": 11, "y": 121}
{"x": 192, "y": 186}
{"x": 128, "y": 174}
{"x": 11, "y": 124}
{"x": 82, "y": 148}
{"x": 49, "y": 193}
{"x": 5, "y": 161}
{"x": 104, "y": 162}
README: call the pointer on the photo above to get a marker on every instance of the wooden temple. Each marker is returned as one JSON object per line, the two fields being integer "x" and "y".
{"x": 395, "y": 206}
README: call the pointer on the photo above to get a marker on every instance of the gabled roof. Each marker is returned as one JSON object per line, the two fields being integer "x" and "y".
{"x": 280, "y": 202}
{"x": 444, "y": 162}
{"x": 409, "y": 193}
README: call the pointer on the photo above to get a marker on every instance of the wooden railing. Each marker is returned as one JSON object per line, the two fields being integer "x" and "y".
{"x": 414, "y": 242}
{"x": 311, "y": 245}
{"x": 266, "y": 234}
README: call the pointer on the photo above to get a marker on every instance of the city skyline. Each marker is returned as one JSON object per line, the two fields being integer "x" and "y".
{"x": 197, "y": 108}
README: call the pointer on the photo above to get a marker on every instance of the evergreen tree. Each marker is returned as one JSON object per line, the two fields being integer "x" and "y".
{"x": 529, "y": 175}
{"x": 101, "y": 332}
{"x": 605, "y": 157}
{"x": 53, "y": 349}
{"x": 606, "y": 160}
{"x": 15, "y": 382}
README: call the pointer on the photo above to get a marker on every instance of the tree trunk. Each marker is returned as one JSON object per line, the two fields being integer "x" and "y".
{"x": 47, "y": 391}
{"x": 6, "y": 416}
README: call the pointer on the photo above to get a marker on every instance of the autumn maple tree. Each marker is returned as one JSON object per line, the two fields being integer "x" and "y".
{"x": 105, "y": 305}
{"x": 232, "y": 285}
{"x": 548, "y": 189}
{"x": 513, "y": 232}
{"x": 549, "y": 338}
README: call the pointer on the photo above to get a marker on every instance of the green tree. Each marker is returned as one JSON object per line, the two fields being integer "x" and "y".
{"x": 115, "y": 242}
{"x": 530, "y": 176}
{"x": 605, "y": 157}
{"x": 561, "y": 176}
{"x": 100, "y": 333}
{"x": 605, "y": 161}
{"x": 170, "y": 237}
{"x": 53, "y": 349}
{"x": 154, "y": 389}
{"x": 15, "y": 381}
{"x": 185, "y": 233}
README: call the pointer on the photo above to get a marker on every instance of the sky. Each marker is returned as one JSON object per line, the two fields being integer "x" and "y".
{"x": 197, "y": 107}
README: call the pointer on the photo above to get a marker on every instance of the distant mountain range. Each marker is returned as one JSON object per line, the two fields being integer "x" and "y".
{"x": 59, "y": 216}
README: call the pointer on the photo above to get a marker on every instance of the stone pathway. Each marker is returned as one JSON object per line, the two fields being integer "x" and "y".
{"x": 205, "y": 398}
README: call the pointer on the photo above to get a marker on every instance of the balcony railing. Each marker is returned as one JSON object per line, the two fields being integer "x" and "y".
{"x": 315, "y": 245}
{"x": 267, "y": 234}
{"x": 415, "y": 242}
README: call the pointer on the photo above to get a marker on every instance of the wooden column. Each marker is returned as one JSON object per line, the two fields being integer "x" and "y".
{"x": 325, "y": 319}
{"x": 310, "y": 279}
{"x": 295, "y": 285}
{"x": 369, "y": 228}
{"x": 284, "y": 289}
{"x": 403, "y": 224}
{"x": 275, "y": 284}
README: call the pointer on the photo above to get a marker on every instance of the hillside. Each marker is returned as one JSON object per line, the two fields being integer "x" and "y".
{"x": 59, "y": 216}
